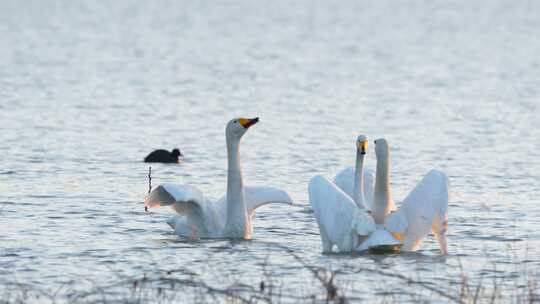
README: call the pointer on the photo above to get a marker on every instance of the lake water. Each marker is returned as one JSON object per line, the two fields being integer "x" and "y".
{"x": 88, "y": 88}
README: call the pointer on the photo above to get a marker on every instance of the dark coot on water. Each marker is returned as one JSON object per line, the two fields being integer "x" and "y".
{"x": 163, "y": 156}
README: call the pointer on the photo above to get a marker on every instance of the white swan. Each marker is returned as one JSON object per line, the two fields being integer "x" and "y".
{"x": 230, "y": 216}
{"x": 422, "y": 211}
{"x": 343, "y": 222}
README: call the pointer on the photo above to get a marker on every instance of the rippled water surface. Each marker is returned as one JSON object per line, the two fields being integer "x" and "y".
{"x": 88, "y": 88}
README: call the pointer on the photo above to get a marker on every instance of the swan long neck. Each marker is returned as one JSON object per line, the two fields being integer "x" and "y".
{"x": 358, "y": 189}
{"x": 382, "y": 201}
{"x": 236, "y": 208}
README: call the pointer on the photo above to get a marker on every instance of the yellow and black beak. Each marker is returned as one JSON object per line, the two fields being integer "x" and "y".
{"x": 363, "y": 146}
{"x": 248, "y": 122}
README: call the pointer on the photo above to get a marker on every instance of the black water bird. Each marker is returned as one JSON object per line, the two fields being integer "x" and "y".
{"x": 163, "y": 156}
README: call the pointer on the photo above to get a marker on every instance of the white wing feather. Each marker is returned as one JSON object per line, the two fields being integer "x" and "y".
{"x": 256, "y": 197}
{"x": 179, "y": 197}
{"x": 425, "y": 209}
{"x": 337, "y": 215}
{"x": 345, "y": 181}
{"x": 187, "y": 201}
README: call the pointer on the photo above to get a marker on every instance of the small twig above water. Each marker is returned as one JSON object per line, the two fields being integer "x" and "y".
{"x": 149, "y": 184}
{"x": 149, "y": 179}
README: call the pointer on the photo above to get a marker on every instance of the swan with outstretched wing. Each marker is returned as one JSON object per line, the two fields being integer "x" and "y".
{"x": 228, "y": 217}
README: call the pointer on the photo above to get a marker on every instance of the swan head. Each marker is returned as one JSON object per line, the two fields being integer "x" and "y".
{"x": 238, "y": 126}
{"x": 381, "y": 148}
{"x": 362, "y": 144}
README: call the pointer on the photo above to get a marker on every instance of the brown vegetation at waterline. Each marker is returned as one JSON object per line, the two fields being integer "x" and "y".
{"x": 325, "y": 286}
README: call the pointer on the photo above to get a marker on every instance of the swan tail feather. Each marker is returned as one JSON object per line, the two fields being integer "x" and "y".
{"x": 439, "y": 228}
{"x": 441, "y": 239}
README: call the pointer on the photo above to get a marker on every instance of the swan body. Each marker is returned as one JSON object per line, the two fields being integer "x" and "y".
{"x": 231, "y": 215}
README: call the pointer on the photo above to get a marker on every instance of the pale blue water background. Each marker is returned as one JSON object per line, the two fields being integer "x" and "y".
{"x": 88, "y": 88}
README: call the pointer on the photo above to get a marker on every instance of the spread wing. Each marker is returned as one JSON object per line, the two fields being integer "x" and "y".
{"x": 337, "y": 215}
{"x": 345, "y": 181}
{"x": 184, "y": 199}
{"x": 260, "y": 195}
{"x": 425, "y": 209}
